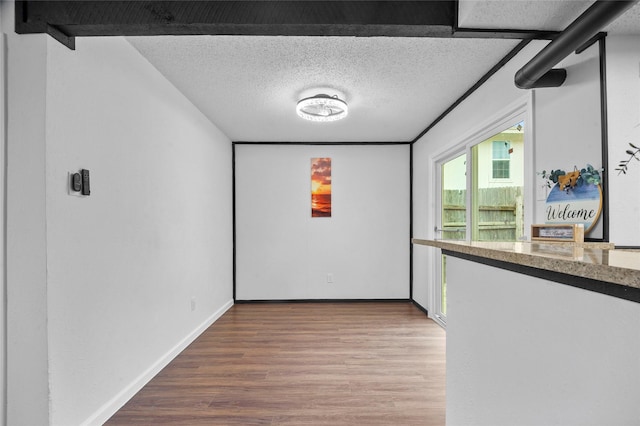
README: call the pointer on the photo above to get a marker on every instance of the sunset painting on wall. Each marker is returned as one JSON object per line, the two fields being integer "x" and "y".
{"x": 321, "y": 187}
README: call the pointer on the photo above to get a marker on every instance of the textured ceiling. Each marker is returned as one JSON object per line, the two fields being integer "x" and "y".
{"x": 249, "y": 85}
{"x": 542, "y": 15}
{"x": 627, "y": 24}
{"x": 395, "y": 87}
{"x": 545, "y": 15}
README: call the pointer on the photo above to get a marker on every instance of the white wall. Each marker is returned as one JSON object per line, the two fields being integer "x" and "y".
{"x": 566, "y": 131}
{"x": 283, "y": 253}
{"x": 623, "y": 94}
{"x": 567, "y": 122}
{"x": 27, "y": 346}
{"x": 3, "y": 313}
{"x": 102, "y": 286}
{"x": 469, "y": 118}
{"x": 527, "y": 351}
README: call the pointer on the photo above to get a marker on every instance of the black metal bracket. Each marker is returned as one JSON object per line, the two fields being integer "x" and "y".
{"x": 61, "y": 37}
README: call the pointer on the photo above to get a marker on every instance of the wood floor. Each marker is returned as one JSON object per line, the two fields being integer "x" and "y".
{"x": 303, "y": 364}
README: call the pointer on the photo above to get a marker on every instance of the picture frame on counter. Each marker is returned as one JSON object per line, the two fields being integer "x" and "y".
{"x": 558, "y": 232}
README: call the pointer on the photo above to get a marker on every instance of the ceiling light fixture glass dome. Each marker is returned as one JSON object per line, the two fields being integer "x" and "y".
{"x": 322, "y": 108}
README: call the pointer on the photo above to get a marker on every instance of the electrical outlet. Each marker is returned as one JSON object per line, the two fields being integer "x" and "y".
{"x": 330, "y": 278}
{"x": 193, "y": 303}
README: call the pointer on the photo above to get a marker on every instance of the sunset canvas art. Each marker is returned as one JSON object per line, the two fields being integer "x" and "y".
{"x": 321, "y": 187}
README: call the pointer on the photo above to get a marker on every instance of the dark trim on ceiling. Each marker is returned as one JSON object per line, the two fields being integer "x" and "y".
{"x": 456, "y": 15}
{"x": 21, "y": 12}
{"x": 604, "y": 132}
{"x": 67, "y": 19}
{"x": 233, "y": 213}
{"x": 61, "y": 37}
{"x": 473, "y": 88}
{"x": 319, "y": 143}
{"x": 4, "y": 151}
{"x": 364, "y": 18}
{"x": 410, "y": 221}
{"x": 490, "y": 33}
{"x": 610, "y": 289}
{"x": 604, "y": 129}
{"x": 459, "y": 32}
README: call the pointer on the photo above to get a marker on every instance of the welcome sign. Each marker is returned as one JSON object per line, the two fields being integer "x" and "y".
{"x": 578, "y": 204}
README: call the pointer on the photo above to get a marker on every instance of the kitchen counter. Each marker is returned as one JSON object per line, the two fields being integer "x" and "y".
{"x": 541, "y": 324}
{"x": 596, "y": 263}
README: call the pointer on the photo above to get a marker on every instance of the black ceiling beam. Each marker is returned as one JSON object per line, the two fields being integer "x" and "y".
{"x": 393, "y": 18}
{"x": 504, "y": 34}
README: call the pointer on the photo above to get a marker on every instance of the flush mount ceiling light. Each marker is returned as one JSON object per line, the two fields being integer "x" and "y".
{"x": 322, "y": 108}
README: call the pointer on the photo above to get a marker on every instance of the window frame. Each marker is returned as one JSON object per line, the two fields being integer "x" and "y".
{"x": 519, "y": 110}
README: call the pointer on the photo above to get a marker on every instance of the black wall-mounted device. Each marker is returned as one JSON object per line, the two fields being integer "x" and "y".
{"x": 80, "y": 182}
{"x": 86, "y": 189}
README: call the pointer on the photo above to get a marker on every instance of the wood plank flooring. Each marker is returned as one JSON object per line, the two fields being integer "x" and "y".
{"x": 303, "y": 364}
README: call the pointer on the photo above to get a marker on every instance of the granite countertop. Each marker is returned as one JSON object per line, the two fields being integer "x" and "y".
{"x": 596, "y": 261}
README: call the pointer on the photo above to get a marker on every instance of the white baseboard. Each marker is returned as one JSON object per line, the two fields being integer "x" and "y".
{"x": 112, "y": 406}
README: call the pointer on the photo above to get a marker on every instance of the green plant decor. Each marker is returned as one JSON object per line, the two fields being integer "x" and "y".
{"x": 633, "y": 153}
{"x": 588, "y": 175}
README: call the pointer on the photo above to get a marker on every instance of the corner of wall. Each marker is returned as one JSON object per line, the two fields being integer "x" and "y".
{"x": 154, "y": 238}
{"x": 118, "y": 401}
{"x": 623, "y": 110}
{"x": 26, "y": 276}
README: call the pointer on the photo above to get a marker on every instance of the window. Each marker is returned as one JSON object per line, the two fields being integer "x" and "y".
{"x": 501, "y": 166}
{"x": 497, "y": 186}
{"x": 480, "y": 194}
